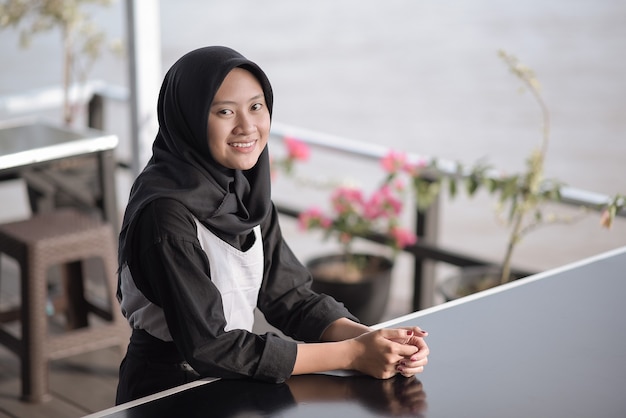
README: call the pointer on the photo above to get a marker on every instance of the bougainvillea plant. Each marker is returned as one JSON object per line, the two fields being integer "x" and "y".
{"x": 521, "y": 196}
{"x": 355, "y": 213}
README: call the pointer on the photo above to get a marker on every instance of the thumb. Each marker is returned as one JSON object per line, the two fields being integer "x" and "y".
{"x": 398, "y": 335}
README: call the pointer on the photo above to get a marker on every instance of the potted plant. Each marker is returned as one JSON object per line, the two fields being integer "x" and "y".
{"x": 521, "y": 197}
{"x": 82, "y": 40}
{"x": 360, "y": 280}
{"x": 521, "y": 200}
{"x": 82, "y": 44}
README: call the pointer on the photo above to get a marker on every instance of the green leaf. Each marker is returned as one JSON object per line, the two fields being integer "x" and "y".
{"x": 471, "y": 185}
{"x": 452, "y": 187}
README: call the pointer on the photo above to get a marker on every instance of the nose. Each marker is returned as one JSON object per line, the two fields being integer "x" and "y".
{"x": 245, "y": 124}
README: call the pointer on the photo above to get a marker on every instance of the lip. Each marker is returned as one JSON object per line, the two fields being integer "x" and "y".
{"x": 243, "y": 146}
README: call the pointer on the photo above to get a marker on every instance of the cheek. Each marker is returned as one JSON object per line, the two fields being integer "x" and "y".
{"x": 214, "y": 150}
{"x": 215, "y": 135}
{"x": 264, "y": 127}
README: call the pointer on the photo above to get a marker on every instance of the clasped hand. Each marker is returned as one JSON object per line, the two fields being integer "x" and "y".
{"x": 386, "y": 352}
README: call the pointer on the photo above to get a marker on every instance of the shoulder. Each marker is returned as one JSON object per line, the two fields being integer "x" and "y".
{"x": 166, "y": 218}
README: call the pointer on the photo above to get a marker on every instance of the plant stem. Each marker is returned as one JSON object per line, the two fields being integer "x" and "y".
{"x": 534, "y": 178}
{"x": 513, "y": 238}
{"x": 67, "y": 73}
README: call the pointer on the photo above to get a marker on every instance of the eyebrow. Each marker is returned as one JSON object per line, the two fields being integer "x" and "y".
{"x": 230, "y": 102}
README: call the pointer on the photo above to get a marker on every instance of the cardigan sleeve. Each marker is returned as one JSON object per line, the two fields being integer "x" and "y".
{"x": 172, "y": 271}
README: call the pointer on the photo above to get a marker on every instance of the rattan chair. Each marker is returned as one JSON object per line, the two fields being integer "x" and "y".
{"x": 64, "y": 238}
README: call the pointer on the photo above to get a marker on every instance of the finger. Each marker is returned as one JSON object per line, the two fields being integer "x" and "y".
{"x": 417, "y": 331}
{"x": 417, "y": 358}
{"x": 420, "y": 344}
{"x": 411, "y": 363}
{"x": 409, "y": 371}
{"x": 411, "y": 345}
{"x": 409, "y": 367}
{"x": 399, "y": 335}
{"x": 406, "y": 351}
{"x": 405, "y": 336}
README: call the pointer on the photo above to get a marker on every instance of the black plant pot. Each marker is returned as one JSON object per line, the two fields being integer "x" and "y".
{"x": 365, "y": 297}
{"x": 471, "y": 280}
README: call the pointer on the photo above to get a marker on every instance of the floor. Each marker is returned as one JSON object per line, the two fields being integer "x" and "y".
{"x": 78, "y": 385}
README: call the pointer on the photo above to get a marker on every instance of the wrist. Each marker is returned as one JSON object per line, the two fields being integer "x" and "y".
{"x": 343, "y": 329}
{"x": 352, "y": 350}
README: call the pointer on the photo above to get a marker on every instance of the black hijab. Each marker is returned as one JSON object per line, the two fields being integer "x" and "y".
{"x": 228, "y": 201}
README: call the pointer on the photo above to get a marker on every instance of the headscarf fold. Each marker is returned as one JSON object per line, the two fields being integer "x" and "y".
{"x": 182, "y": 167}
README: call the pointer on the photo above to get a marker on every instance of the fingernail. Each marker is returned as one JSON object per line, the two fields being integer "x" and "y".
{"x": 409, "y": 333}
{"x": 399, "y": 368}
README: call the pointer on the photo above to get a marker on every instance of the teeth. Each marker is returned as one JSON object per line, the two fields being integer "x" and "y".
{"x": 242, "y": 144}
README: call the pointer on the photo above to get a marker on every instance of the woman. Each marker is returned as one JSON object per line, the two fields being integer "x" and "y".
{"x": 201, "y": 247}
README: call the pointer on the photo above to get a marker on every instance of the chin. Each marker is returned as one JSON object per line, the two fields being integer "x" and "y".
{"x": 245, "y": 165}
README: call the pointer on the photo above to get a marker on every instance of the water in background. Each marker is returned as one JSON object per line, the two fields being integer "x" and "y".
{"x": 418, "y": 76}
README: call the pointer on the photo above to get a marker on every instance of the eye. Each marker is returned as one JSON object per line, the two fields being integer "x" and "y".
{"x": 225, "y": 112}
{"x": 257, "y": 106}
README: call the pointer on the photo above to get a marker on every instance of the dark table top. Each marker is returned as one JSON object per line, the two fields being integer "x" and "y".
{"x": 30, "y": 146}
{"x": 551, "y": 345}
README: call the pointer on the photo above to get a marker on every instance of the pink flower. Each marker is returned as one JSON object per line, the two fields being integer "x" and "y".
{"x": 414, "y": 169}
{"x": 393, "y": 162}
{"x": 398, "y": 185}
{"x": 346, "y": 200}
{"x": 606, "y": 219}
{"x": 402, "y": 237}
{"x": 355, "y": 214}
{"x": 382, "y": 204}
{"x": 312, "y": 218}
{"x": 296, "y": 149}
{"x": 373, "y": 208}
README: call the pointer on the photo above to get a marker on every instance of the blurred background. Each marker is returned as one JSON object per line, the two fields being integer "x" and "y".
{"x": 417, "y": 76}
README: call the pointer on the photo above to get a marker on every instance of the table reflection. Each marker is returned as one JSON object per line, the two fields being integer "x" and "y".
{"x": 398, "y": 396}
{"x": 307, "y": 395}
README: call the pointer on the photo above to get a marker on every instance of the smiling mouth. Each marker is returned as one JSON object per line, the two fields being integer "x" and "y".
{"x": 242, "y": 144}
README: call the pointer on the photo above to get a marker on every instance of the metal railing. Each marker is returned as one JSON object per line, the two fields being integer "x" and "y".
{"x": 426, "y": 222}
{"x": 425, "y": 251}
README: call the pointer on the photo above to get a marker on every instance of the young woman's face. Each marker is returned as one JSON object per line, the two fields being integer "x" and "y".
{"x": 239, "y": 121}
